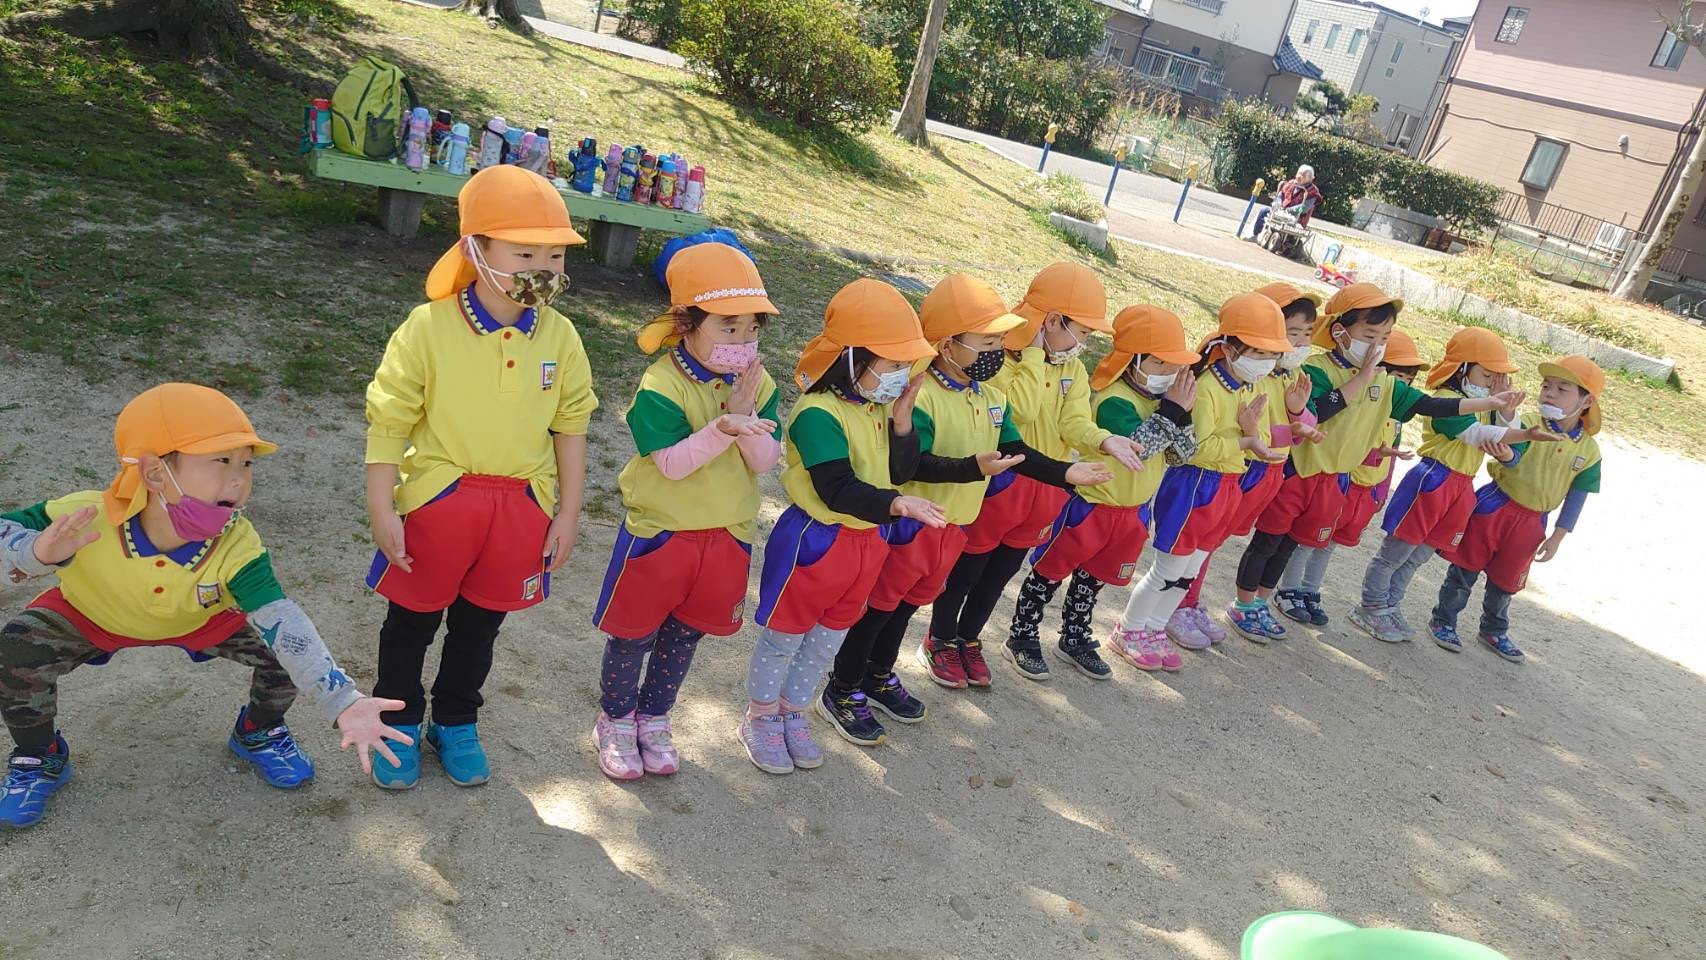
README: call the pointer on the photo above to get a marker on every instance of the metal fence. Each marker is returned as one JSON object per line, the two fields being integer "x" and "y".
{"x": 1573, "y": 247}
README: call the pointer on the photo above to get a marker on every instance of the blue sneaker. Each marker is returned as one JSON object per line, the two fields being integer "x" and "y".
{"x": 1445, "y": 635}
{"x": 459, "y": 751}
{"x": 274, "y": 753}
{"x": 30, "y": 781}
{"x": 402, "y": 777}
{"x": 1265, "y": 617}
{"x": 1502, "y": 645}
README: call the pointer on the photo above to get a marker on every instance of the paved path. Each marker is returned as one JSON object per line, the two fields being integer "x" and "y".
{"x": 607, "y": 43}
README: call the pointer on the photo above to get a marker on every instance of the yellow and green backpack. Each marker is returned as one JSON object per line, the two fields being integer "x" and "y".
{"x": 370, "y": 109}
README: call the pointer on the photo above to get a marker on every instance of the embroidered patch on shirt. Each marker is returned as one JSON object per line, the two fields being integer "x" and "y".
{"x": 207, "y": 594}
{"x": 1578, "y": 463}
{"x": 1065, "y": 385}
{"x": 997, "y": 415}
{"x": 547, "y": 374}
{"x": 1374, "y": 391}
{"x": 1126, "y": 570}
{"x": 1324, "y": 533}
{"x": 530, "y": 587}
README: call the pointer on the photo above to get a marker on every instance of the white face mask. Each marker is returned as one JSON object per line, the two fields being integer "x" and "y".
{"x": 889, "y": 385}
{"x": 1058, "y": 357}
{"x": 1293, "y": 358}
{"x": 1154, "y": 384}
{"x": 1475, "y": 391}
{"x": 1249, "y": 369}
{"x": 1357, "y": 352}
{"x": 1551, "y": 412}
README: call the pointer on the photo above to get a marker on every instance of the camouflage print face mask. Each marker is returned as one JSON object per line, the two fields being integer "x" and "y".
{"x": 530, "y": 288}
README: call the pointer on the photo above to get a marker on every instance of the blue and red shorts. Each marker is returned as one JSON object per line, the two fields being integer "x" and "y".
{"x": 1259, "y": 485}
{"x": 1103, "y": 541}
{"x": 1360, "y": 508}
{"x": 919, "y": 561}
{"x": 1501, "y": 538}
{"x": 1306, "y": 509}
{"x": 696, "y": 576}
{"x": 1431, "y": 505}
{"x": 817, "y": 573}
{"x": 482, "y": 538}
{"x": 1193, "y": 509}
{"x": 1017, "y": 512}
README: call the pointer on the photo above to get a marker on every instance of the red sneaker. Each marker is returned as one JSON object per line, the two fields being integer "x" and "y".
{"x": 943, "y": 662}
{"x": 971, "y": 658}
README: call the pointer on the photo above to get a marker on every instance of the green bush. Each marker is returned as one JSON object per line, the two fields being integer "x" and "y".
{"x": 1015, "y": 96}
{"x": 1252, "y": 141}
{"x": 657, "y": 22}
{"x": 798, "y": 59}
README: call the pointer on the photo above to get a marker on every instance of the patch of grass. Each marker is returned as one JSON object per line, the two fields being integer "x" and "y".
{"x": 1064, "y": 194}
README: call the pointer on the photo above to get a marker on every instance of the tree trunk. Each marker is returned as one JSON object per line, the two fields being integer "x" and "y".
{"x": 1634, "y": 283}
{"x": 498, "y": 10}
{"x": 909, "y": 126}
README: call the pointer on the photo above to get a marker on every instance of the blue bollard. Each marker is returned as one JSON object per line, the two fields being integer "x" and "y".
{"x": 1182, "y": 195}
{"x": 1044, "y": 160}
{"x": 1048, "y": 144}
{"x": 1110, "y": 194}
{"x": 1255, "y": 192}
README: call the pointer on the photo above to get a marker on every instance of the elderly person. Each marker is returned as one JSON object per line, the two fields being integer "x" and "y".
{"x": 1298, "y": 196}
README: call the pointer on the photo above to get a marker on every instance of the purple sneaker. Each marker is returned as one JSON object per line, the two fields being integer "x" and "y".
{"x": 1183, "y": 630}
{"x": 1206, "y": 624}
{"x": 766, "y": 744}
{"x": 797, "y": 736}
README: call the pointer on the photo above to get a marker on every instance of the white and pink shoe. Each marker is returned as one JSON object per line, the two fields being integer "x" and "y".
{"x": 657, "y": 745}
{"x": 618, "y": 747}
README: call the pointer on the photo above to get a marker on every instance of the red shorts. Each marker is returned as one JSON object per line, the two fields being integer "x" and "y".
{"x": 1360, "y": 508}
{"x": 918, "y": 563}
{"x": 696, "y": 576}
{"x": 1193, "y": 509}
{"x": 817, "y": 573}
{"x": 1501, "y": 538}
{"x": 1101, "y": 540}
{"x": 1017, "y": 513}
{"x": 1431, "y": 505}
{"x": 218, "y": 629}
{"x": 480, "y": 539}
{"x": 1259, "y": 486}
{"x": 1307, "y": 509}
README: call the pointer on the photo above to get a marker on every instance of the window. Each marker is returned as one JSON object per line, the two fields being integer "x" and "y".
{"x": 1116, "y": 54}
{"x": 1510, "y": 28}
{"x": 1356, "y": 41}
{"x": 1402, "y": 129}
{"x": 1543, "y": 163}
{"x": 1333, "y": 36}
{"x": 1669, "y": 54}
{"x": 1309, "y": 31}
{"x": 1397, "y": 51}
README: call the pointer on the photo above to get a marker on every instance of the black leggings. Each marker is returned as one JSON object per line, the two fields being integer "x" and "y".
{"x": 1264, "y": 560}
{"x": 871, "y": 647}
{"x": 974, "y": 587}
{"x": 462, "y": 667}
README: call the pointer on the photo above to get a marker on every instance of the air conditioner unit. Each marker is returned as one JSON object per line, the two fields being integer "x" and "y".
{"x": 1611, "y": 238}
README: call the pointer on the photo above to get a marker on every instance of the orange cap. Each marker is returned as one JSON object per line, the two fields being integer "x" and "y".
{"x": 1069, "y": 289}
{"x": 1254, "y": 319}
{"x": 173, "y": 418}
{"x": 1142, "y": 330}
{"x": 1285, "y": 294}
{"x": 714, "y": 277}
{"x": 1583, "y": 373}
{"x": 1357, "y": 296}
{"x": 1476, "y": 345}
{"x": 507, "y": 203}
{"x": 865, "y": 313}
{"x": 962, "y": 303}
{"x": 1401, "y": 351}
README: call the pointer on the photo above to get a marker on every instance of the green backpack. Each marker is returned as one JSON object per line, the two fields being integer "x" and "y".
{"x": 370, "y": 109}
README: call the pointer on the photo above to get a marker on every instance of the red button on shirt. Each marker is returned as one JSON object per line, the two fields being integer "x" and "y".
{"x": 508, "y": 334}
{"x": 509, "y": 363}
{"x": 159, "y": 589}
{"x": 159, "y": 563}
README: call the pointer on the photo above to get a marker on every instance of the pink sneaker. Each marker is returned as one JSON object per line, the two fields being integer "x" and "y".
{"x": 657, "y": 745}
{"x": 1183, "y": 629}
{"x": 1171, "y": 661}
{"x": 618, "y": 752}
{"x": 1144, "y": 653}
{"x": 1123, "y": 642}
{"x": 1214, "y": 631}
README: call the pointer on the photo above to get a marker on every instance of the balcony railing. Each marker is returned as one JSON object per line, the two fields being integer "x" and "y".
{"x": 1180, "y": 73}
{"x": 1212, "y": 6}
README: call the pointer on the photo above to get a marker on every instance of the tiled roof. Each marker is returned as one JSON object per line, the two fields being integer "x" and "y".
{"x": 1288, "y": 60}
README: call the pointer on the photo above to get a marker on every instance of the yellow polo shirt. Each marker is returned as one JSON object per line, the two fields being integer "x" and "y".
{"x": 1547, "y": 472}
{"x": 1214, "y": 418}
{"x": 1120, "y": 410}
{"x": 1050, "y": 404}
{"x": 1273, "y": 386}
{"x": 129, "y": 587}
{"x": 1359, "y": 427}
{"x": 457, "y": 393}
{"x": 958, "y": 420}
{"x": 1366, "y": 475}
{"x": 676, "y": 398}
{"x": 1440, "y": 443}
{"x": 825, "y": 427}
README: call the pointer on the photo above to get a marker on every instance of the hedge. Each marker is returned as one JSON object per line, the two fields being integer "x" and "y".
{"x": 1252, "y": 141}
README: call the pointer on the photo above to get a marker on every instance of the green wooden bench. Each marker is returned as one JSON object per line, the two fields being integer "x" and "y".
{"x": 615, "y": 224}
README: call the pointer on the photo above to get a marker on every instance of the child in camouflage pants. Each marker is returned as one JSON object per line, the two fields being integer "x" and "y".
{"x": 161, "y": 557}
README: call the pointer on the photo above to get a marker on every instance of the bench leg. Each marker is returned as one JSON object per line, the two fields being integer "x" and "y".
{"x": 613, "y": 243}
{"x": 400, "y": 212}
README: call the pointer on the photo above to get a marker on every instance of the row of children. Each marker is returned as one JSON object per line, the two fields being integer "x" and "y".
{"x": 928, "y": 453}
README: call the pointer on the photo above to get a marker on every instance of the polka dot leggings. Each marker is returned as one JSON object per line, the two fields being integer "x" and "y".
{"x": 671, "y": 649}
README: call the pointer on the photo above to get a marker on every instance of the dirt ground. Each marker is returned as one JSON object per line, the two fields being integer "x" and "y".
{"x": 1551, "y": 810}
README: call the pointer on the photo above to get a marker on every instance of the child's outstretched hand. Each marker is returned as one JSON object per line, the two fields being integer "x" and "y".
{"x": 363, "y": 730}
{"x": 1508, "y": 401}
{"x": 1087, "y": 473}
{"x": 560, "y": 539}
{"x": 1499, "y": 450}
{"x": 992, "y": 462}
{"x": 920, "y": 509}
{"x": 1250, "y": 415}
{"x": 1387, "y": 452}
{"x": 743, "y": 396}
{"x": 1549, "y": 548}
{"x": 1306, "y": 431}
{"x": 388, "y": 537}
{"x": 745, "y": 425}
{"x": 1125, "y": 450}
{"x": 1540, "y": 434}
{"x": 65, "y": 536}
{"x": 1297, "y": 395}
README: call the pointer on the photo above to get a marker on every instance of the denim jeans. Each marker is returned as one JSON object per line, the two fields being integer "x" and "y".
{"x": 1307, "y": 568}
{"x": 1388, "y": 576}
{"x": 1454, "y": 596}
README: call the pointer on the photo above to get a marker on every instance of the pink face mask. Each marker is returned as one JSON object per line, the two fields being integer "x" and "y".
{"x": 732, "y": 357}
{"x": 195, "y": 519}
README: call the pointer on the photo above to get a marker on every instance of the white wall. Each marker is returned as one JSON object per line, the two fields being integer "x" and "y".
{"x": 1338, "y": 63}
{"x": 1252, "y": 24}
{"x": 1415, "y": 76}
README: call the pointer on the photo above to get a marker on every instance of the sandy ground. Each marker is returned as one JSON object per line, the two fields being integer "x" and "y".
{"x": 1552, "y": 809}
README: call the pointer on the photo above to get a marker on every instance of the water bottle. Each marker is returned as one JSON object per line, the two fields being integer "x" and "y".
{"x": 612, "y": 169}
{"x": 681, "y": 169}
{"x": 539, "y": 161}
{"x": 317, "y": 125}
{"x": 492, "y": 142}
{"x": 629, "y": 174}
{"x": 648, "y": 177}
{"x": 512, "y": 145}
{"x": 415, "y": 140}
{"x": 695, "y": 191}
{"x": 440, "y": 154}
{"x": 524, "y": 149}
{"x": 456, "y": 154}
{"x": 666, "y": 182}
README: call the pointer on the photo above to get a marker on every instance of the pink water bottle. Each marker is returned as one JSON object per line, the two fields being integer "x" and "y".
{"x": 695, "y": 191}
{"x": 492, "y": 142}
{"x": 648, "y": 177}
{"x": 612, "y": 169}
{"x": 681, "y": 171}
{"x": 415, "y": 141}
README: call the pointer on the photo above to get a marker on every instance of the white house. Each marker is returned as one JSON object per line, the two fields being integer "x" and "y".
{"x": 1207, "y": 50}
